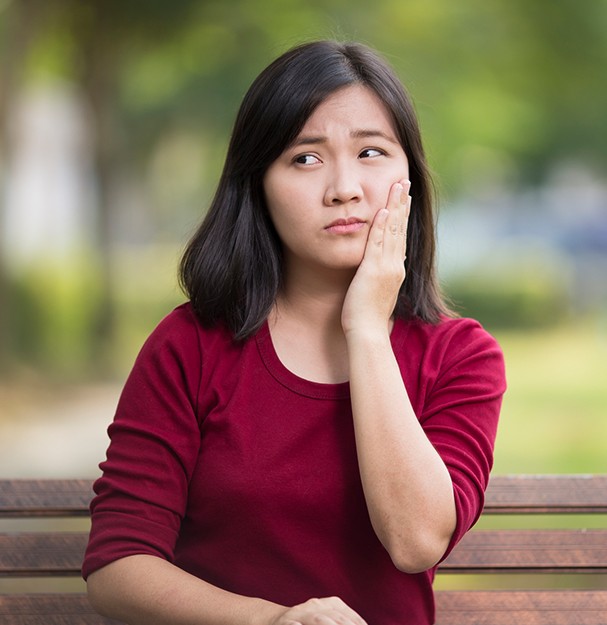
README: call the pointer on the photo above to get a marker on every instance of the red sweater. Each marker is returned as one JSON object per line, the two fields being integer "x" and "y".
{"x": 245, "y": 475}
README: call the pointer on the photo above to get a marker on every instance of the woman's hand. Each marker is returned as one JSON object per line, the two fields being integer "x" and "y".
{"x": 326, "y": 611}
{"x": 372, "y": 294}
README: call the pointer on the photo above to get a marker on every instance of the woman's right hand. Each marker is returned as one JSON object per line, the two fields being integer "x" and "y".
{"x": 325, "y": 611}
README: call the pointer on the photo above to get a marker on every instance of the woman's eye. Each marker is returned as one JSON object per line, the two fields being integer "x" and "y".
{"x": 371, "y": 153}
{"x": 307, "y": 159}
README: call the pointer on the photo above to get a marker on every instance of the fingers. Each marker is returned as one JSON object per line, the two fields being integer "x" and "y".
{"x": 325, "y": 611}
{"x": 399, "y": 206}
{"x": 388, "y": 236}
{"x": 392, "y": 218}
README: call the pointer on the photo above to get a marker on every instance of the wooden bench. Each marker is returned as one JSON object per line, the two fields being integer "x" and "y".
{"x": 44, "y": 531}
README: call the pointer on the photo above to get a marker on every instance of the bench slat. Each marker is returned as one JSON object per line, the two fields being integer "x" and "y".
{"x": 535, "y": 607}
{"x": 530, "y": 607}
{"x": 532, "y": 551}
{"x": 563, "y": 551}
{"x": 44, "y": 498}
{"x": 506, "y": 494}
{"x": 59, "y": 554}
{"x": 49, "y": 609}
{"x": 42, "y": 554}
{"x": 541, "y": 494}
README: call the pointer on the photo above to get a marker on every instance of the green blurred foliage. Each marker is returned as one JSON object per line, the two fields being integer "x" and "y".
{"x": 553, "y": 416}
{"x": 51, "y": 318}
{"x": 525, "y": 301}
{"x": 524, "y": 288}
{"x": 522, "y": 78}
{"x": 506, "y": 90}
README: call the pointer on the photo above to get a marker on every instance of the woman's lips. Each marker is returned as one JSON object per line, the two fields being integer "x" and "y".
{"x": 345, "y": 226}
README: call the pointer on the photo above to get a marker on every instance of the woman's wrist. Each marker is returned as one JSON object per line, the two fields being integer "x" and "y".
{"x": 369, "y": 334}
{"x": 265, "y": 612}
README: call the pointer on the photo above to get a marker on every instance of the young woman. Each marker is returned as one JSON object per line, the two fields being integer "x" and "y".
{"x": 312, "y": 433}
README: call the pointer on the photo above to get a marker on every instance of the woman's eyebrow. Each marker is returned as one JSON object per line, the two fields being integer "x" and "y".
{"x": 364, "y": 133}
{"x": 359, "y": 133}
{"x": 304, "y": 140}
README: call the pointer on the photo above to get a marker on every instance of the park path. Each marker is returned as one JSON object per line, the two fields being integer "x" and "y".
{"x": 55, "y": 433}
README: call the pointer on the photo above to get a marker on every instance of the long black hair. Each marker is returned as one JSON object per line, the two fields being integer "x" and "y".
{"x": 232, "y": 267}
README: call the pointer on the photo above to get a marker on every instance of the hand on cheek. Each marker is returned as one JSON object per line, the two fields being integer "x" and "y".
{"x": 372, "y": 294}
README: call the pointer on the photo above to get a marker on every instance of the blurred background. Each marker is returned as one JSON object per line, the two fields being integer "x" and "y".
{"x": 114, "y": 121}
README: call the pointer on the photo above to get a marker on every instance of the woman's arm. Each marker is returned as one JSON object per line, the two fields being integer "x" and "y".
{"x": 407, "y": 486}
{"x": 146, "y": 590}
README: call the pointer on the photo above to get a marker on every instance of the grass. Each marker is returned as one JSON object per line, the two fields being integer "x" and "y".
{"x": 554, "y": 416}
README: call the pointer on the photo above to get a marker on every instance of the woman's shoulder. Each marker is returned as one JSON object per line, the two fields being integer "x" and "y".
{"x": 181, "y": 325}
{"x": 183, "y": 336}
{"x": 447, "y": 329}
{"x": 452, "y": 340}
{"x": 181, "y": 348}
{"x": 446, "y": 326}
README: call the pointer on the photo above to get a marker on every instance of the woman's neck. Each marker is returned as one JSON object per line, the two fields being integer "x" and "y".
{"x": 315, "y": 299}
{"x": 306, "y": 329}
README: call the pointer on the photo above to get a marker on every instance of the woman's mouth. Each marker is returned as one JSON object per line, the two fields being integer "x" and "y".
{"x": 345, "y": 226}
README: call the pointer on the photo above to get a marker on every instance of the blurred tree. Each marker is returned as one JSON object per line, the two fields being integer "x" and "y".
{"x": 95, "y": 39}
{"x": 106, "y": 34}
{"x": 19, "y": 28}
{"x": 569, "y": 60}
{"x": 516, "y": 86}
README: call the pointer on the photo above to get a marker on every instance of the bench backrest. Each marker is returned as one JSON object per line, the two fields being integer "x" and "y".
{"x": 44, "y": 528}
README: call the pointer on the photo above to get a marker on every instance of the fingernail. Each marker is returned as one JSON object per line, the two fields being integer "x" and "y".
{"x": 404, "y": 194}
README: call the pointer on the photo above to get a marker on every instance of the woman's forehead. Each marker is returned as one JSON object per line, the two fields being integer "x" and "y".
{"x": 355, "y": 109}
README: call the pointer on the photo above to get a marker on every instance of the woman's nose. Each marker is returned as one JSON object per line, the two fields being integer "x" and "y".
{"x": 343, "y": 185}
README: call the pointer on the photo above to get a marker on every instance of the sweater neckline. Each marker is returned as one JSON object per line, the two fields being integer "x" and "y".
{"x": 302, "y": 386}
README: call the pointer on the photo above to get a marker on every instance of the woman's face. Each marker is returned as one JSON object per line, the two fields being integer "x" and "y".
{"x": 325, "y": 189}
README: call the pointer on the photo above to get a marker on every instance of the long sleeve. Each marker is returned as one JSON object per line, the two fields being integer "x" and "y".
{"x": 459, "y": 385}
{"x": 141, "y": 497}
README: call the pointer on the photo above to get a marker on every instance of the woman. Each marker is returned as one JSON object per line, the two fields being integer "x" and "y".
{"x": 309, "y": 436}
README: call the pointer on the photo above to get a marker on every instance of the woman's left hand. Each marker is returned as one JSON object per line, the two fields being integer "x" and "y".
{"x": 372, "y": 294}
